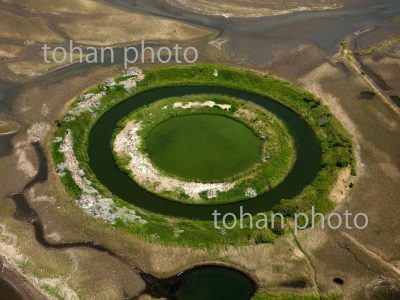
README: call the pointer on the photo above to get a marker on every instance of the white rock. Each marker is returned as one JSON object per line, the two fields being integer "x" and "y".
{"x": 250, "y": 192}
{"x": 110, "y": 82}
{"x": 212, "y": 194}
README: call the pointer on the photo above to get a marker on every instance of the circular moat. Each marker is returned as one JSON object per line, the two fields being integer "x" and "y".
{"x": 101, "y": 162}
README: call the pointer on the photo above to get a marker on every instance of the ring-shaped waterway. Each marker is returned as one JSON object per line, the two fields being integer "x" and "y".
{"x": 304, "y": 170}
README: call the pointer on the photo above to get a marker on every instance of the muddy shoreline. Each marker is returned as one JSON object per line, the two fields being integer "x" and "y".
{"x": 15, "y": 286}
{"x": 246, "y": 36}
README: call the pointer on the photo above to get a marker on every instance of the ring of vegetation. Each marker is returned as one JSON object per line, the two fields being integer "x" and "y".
{"x": 204, "y": 149}
{"x": 84, "y": 160}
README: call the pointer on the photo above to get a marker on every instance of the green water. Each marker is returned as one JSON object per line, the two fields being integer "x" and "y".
{"x": 203, "y": 147}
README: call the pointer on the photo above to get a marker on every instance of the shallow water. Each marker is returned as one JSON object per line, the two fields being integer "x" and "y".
{"x": 257, "y": 39}
{"x": 366, "y": 95}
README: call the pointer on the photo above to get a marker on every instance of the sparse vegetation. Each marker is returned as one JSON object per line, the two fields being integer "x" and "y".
{"x": 53, "y": 291}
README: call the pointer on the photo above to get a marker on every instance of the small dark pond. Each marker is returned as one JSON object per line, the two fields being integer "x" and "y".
{"x": 366, "y": 95}
{"x": 297, "y": 284}
{"x": 208, "y": 282}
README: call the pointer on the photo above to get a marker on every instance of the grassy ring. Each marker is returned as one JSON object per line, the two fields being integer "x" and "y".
{"x": 227, "y": 150}
{"x": 323, "y": 149}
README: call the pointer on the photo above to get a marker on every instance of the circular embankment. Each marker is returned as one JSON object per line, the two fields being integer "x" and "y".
{"x": 84, "y": 143}
{"x": 101, "y": 160}
{"x": 204, "y": 149}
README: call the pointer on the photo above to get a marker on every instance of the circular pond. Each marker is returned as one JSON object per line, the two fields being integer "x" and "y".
{"x": 203, "y": 147}
{"x": 101, "y": 161}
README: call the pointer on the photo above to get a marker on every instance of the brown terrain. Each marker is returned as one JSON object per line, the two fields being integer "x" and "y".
{"x": 359, "y": 264}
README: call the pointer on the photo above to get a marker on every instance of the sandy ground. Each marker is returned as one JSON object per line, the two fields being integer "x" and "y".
{"x": 374, "y": 189}
{"x": 15, "y": 27}
{"x": 117, "y": 28}
{"x": 10, "y": 51}
{"x": 26, "y": 25}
